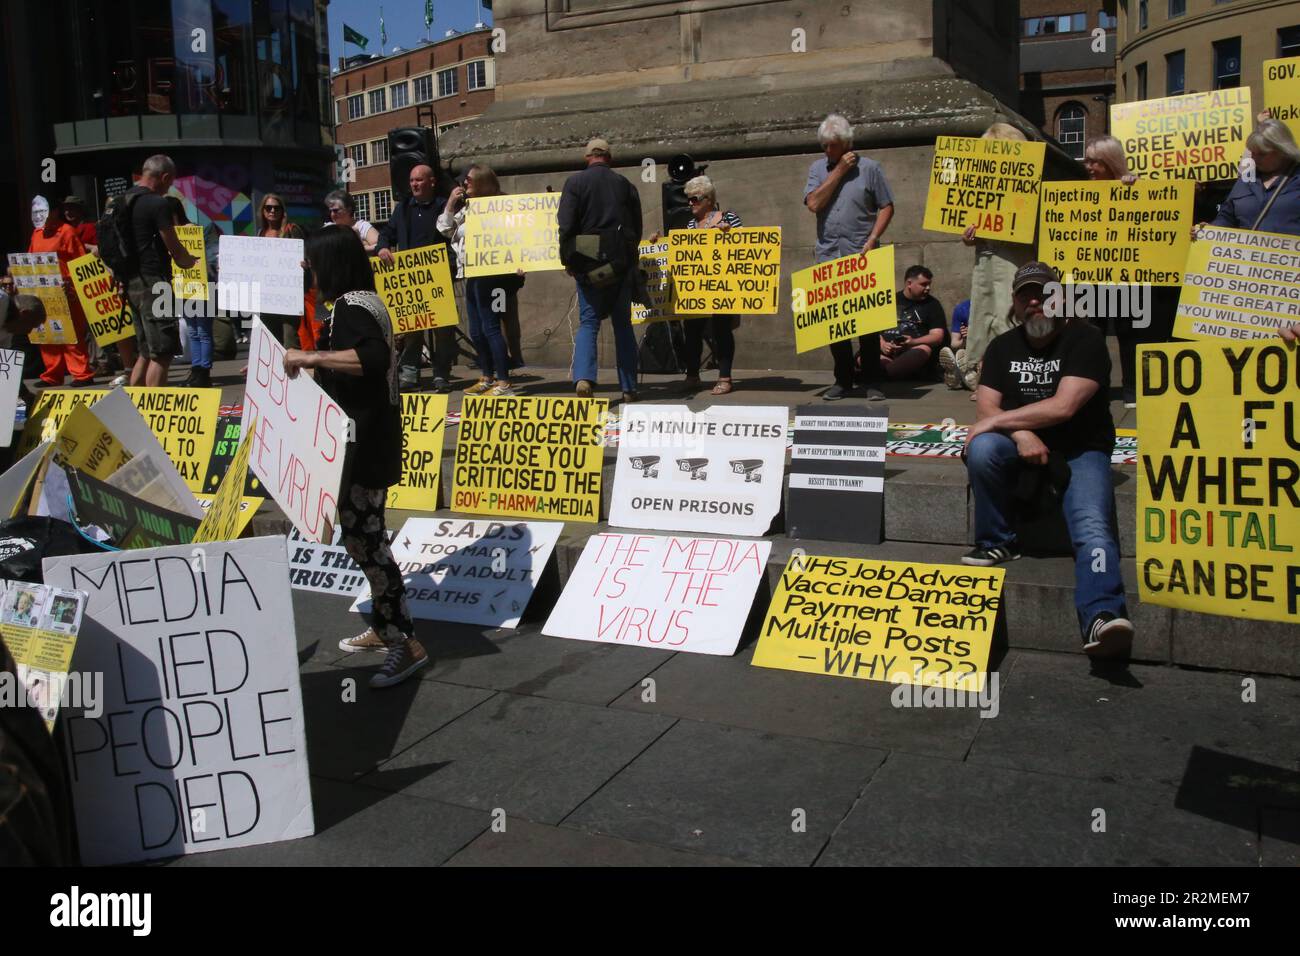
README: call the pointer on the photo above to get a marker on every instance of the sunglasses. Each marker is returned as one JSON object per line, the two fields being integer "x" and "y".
{"x": 696, "y": 198}
{"x": 271, "y": 208}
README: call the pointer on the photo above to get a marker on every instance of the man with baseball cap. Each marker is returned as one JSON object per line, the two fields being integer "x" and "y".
{"x": 1042, "y": 413}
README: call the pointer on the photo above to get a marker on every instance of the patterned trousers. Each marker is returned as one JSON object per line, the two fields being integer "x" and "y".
{"x": 361, "y": 516}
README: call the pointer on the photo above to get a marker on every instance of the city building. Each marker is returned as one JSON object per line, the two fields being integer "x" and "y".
{"x": 439, "y": 84}
{"x": 1067, "y": 71}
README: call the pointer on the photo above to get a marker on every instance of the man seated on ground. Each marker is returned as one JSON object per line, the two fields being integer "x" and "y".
{"x": 911, "y": 350}
{"x": 1042, "y": 412}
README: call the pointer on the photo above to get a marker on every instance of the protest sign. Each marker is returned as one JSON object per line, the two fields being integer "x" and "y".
{"x": 1110, "y": 233}
{"x": 667, "y": 592}
{"x": 11, "y": 379}
{"x": 416, "y": 288}
{"x": 191, "y": 283}
{"x": 40, "y": 626}
{"x": 224, "y": 447}
{"x": 1218, "y": 479}
{"x": 84, "y": 443}
{"x": 52, "y": 407}
{"x": 224, "y": 519}
{"x": 717, "y": 471}
{"x": 891, "y": 621}
{"x": 324, "y": 568}
{"x": 260, "y": 275}
{"x": 843, "y": 299}
{"x": 506, "y": 233}
{"x": 1239, "y": 284}
{"x": 837, "y": 474}
{"x": 175, "y": 414}
{"x": 248, "y": 508}
{"x": 991, "y": 184}
{"x": 1198, "y": 136}
{"x": 199, "y": 744}
{"x": 16, "y": 482}
{"x": 719, "y": 271}
{"x": 39, "y": 274}
{"x": 653, "y": 260}
{"x": 939, "y": 440}
{"x": 131, "y": 522}
{"x": 474, "y": 572}
{"x": 107, "y": 310}
{"x": 424, "y": 419}
{"x": 527, "y": 457}
{"x": 300, "y": 443}
{"x": 1282, "y": 91}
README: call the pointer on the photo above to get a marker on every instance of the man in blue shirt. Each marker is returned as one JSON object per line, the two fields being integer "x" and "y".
{"x": 853, "y": 205}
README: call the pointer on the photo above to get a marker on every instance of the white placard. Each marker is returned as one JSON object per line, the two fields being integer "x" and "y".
{"x": 199, "y": 741}
{"x": 324, "y": 568}
{"x": 470, "y": 571}
{"x": 301, "y": 440}
{"x": 260, "y": 275}
{"x": 11, "y": 377}
{"x": 666, "y": 592}
{"x": 717, "y": 471}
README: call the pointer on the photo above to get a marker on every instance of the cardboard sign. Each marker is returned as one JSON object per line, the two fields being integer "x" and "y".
{"x": 1282, "y": 91}
{"x": 40, "y": 626}
{"x": 1218, "y": 480}
{"x": 991, "y": 184}
{"x": 301, "y": 439}
{"x": 16, "y": 482}
{"x": 718, "y": 272}
{"x": 424, "y": 420}
{"x": 84, "y": 443}
{"x": 474, "y": 572}
{"x": 107, "y": 310}
{"x": 843, "y": 299}
{"x": 1110, "y": 233}
{"x": 671, "y": 593}
{"x": 1198, "y": 136}
{"x": 1239, "y": 285}
{"x": 505, "y": 233}
{"x": 837, "y": 474}
{"x": 39, "y": 274}
{"x": 260, "y": 275}
{"x": 191, "y": 283}
{"x": 883, "y": 620}
{"x": 200, "y": 745}
{"x": 11, "y": 379}
{"x": 324, "y": 568}
{"x": 131, "y": 522}
{"x": 653, "y": 261}
{"x": 223, "y": 519}
{"x": 416, "y": 288}
{"x": 717, "y": 471}
{"x": 224, "y": 447}
{"x": 527, "y": 457}
{"x": 248, "y": 508}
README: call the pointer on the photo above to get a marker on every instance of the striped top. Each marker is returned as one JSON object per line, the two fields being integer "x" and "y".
{"x": 729, "y": 217}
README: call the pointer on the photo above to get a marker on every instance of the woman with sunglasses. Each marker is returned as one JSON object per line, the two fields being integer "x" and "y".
{"x": 342, "y": 211}
{"x": 273, "y": 223}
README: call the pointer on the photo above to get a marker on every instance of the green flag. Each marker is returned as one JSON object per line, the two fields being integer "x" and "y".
{"x": 352, "y": 36}
{"x": 428, "y": 13}
{"x": 383, "y": 33}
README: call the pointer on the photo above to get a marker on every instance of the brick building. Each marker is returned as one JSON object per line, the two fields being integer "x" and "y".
{"x": 439, "y": 84}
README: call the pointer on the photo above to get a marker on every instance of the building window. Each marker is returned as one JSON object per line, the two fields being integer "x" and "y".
{"x": 379, "y": 100}
{"x": 423, "y": 89}
{"x": 1071, "y": 129}
{"x": 1227, "y": 63}
{"x": 1142, "y": 14}
{"x": 477, "y": 73}
{"x": 1177, "y": 8}
{"x": 383, "y": 204}
{"x": 356, "y": 107}
{"x": 357, "y": 154}
{"x": 1288, "y": 41}
{"x": 378, "y": 151}
{"x": 1140, "y": 74}
{"x": 447, "y": 82}
{"x": 1175, "y": 73}
{"x": 401, "y": 95}
{"x": 362, "y": 201}
{"x": 1107, "y": 21}
{"x": 1064, "y": 23}
{"x": 338, "y": 112}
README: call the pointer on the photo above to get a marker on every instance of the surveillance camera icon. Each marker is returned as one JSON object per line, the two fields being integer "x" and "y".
{"x": 751, "y": 468}
{"x": 695, "y": 466}
{"x": 646, "y": 464}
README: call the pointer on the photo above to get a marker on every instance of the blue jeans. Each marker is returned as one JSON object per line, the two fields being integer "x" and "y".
{"x": 593, "y": 305}
{"x": 201, "y": 341}
{"x": 993, "y": 465}
{"x": 485, "y": 326}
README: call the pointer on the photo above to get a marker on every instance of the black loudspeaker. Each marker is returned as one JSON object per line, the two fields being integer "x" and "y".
{"x": 676, "y": 210}
{"x": 408, "y": 147}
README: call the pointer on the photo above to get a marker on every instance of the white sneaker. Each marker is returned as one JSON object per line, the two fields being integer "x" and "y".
{"x": 366, "y": 641}
{"x": 1108, "y": 636}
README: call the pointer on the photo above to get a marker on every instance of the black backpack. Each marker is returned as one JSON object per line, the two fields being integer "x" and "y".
{"x": 117, "y": 240}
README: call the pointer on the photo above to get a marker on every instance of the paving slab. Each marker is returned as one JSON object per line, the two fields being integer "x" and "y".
{"x": 732, "y": 792}
{"x": 1279, "y": 837}
{"x": 532, "y": 757}
{"x": 524, "y": 843}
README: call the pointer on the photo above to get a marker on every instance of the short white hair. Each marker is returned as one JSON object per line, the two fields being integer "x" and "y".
{"x": 160, "y": 164}
{"x": 835, "y": 129}
{"x": 702, "y": 185}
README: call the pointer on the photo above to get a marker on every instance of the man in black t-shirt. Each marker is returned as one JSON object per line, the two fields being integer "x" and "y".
{"x": 1041, "y": 404}
{"x": 911, "y": 349}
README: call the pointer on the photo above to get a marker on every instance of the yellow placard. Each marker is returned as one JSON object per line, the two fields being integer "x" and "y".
{"x": 1109, "y": 233}
{"x": 505, "y": 233}
{"x": 1282, "y": 91}
{"x": 843, "y": 298}
{"x": 85, "y": 444}
{"x": 424, "y": 420}
{"x": 1217, "y": 479}
{"x": 39, "y": 274}
{"x": 892, "y": 621}
{"x": 50, "y": 411}
{"x": 191, "y": 283}
{"x": 717, "y": 272}
{"x": 1199, "y": 136}
{"x": 991, "y": 184}
{"x": 653, "y": 260}
{"x": 416, "y": 288}
{"x": 248, "y": 507}
{"x": 1239, "y": 284}
{"x": 530, "y": 457}
{"x": 222, "y": 517}
{"x": 107, "y": 311}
